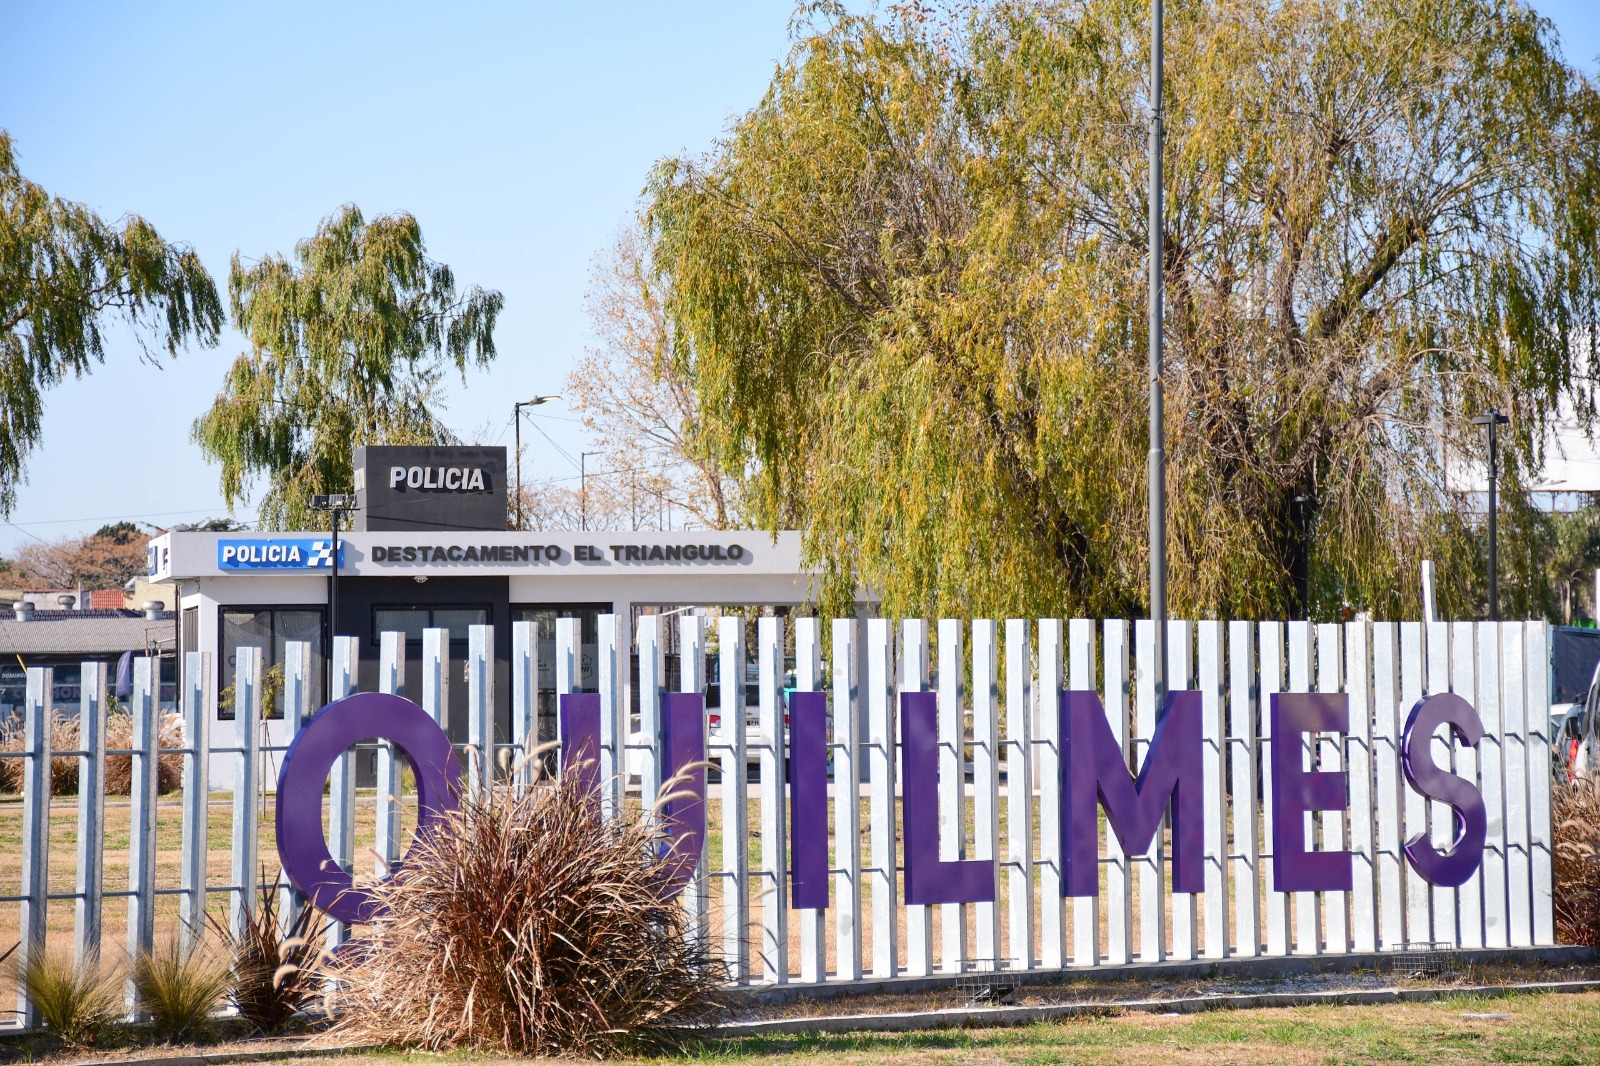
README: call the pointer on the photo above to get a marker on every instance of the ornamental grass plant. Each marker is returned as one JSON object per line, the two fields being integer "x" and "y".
{"x": 273, "y": 960}
{"x": 81, "y": 1003}
{"x": 179, "y": 987}
{"x": 524, "y": 923}
{"x": 1577, "y": 861}
{"x": 119, "y": 768}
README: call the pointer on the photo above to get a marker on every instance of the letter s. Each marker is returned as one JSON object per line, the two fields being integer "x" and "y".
{"x": 1455, "y": 867}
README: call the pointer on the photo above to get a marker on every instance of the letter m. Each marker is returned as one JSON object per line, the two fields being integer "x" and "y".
{"x": 1093, "y": 769}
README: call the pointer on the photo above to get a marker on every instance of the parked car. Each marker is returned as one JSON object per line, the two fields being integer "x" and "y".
{"x": 1574, "y": 748}
{"x": 1574, "y": 673}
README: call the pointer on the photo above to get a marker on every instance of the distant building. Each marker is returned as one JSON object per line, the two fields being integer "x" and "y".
{"x": 65, "y": 638}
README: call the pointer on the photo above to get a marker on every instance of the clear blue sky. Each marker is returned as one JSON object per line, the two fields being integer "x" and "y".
{"x": 519, "y": 135}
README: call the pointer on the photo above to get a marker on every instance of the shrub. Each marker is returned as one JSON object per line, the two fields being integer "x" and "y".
{"x": 63, "y": 768}
{"x": 119, "y": 768}
{"x": 273, "y": 965}
{"x": 1577, "y": 861}
{"x": 179, "y": 987}
{"x": 526, "y": 924}
{"x": 80, "y": 1004}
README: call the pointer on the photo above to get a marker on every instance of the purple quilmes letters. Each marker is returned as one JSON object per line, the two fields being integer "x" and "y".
{"x": 683, "y": 742}
{"x": 929, "y": 880}
{"x": 1451, "y": 868}
{"x": 1296, "y": 791}
{"x": 302, "y": 847}
{"x": 1092, "y": 768}
{"x": 808, "y": 799}
{"x": 580, "y": 737}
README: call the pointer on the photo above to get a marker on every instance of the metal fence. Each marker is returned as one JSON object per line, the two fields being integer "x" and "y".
{"x": 998, "y": 793}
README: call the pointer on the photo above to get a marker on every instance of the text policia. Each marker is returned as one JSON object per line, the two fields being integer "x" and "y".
{"x": 1093, "y": 772}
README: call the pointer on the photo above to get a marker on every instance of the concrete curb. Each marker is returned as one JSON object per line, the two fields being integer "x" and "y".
{"x": 987, "y": 1017}
{"x": 1255, "y": 968}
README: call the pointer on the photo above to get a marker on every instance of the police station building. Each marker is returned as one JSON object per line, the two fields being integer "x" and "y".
{"x": 428, "y": 548}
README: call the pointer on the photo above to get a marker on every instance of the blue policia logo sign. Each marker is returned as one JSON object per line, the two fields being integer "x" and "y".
{"x": 277, "y": 553}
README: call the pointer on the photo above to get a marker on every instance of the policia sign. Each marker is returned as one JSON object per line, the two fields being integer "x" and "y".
{"x": 430, "y": 489}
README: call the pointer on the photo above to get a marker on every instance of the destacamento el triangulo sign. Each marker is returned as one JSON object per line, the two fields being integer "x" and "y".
{"x": 1093, "y": 777}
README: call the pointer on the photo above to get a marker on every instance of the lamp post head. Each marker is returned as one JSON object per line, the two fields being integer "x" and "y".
{"x": 536, "y": 401}
{"x": 1493, "y": 418}
{"x": 337, "y": 502}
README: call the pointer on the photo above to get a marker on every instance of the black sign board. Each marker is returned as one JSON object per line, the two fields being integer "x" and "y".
{"x": 435, "y": 488}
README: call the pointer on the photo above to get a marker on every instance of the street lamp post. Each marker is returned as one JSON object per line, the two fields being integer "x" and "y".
{"x": 334, "y": 505}
{"x": 1491, "y": 422}
{"x": 1158, "y": 452}
{"x": 516, "y": 416}
{"x": 583, "y": 488}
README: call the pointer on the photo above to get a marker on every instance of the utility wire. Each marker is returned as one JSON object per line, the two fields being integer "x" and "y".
{"x": 565, "y": 454}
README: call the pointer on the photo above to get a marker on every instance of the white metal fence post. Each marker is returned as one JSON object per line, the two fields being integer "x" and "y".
{"x": 1048, "y": 757}
{"x": 735, "y": 810}
{"x": 807, "y": 678}
{"x": 847, "y": 800}
{"x": 1212, "y": 675}
{"x": 774, "y": 808}
{"x": 986, "y": 783}
{"x": 613, "y": 712}
{"x": 952, "y": 780}
{"x": 1119, "y": 873}
{"x": 882, "y": 876}
{"x": 387, "y": 770}
{"x": 296, "y": 709}
{"x": 524, "y": 701}
{"x": 196, "y": 792}
{"x": 480, "y": 709}
{"x": 914, "y": 678}
{"x": 1152, "y": 878}
{"x": 1080, "y": 678}
{"x": 142, "y": 801}
{"x": 1243, "y": 747}
{"x": 1358, "y": 683}
{"x": 342, "y": 781}
{"x": 91, "y": 810}
{"x": 1019, "y": 791}
{"x": 37, "y": 714}
{"x": 692, "y": 679}
{"x": 247, "y": 728}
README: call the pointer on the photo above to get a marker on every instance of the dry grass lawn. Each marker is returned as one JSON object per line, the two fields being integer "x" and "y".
{"x": 1560, "y": 1029}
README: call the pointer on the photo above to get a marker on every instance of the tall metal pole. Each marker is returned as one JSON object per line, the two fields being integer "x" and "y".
{"x": 334, "y": 505}
{"x": 1494, "y": 510}
{"x": 333, "y": 579}
{"x": 1158, "y": 451}
{"x": 1492, "y": 421}
{"x": 516, "y": 416}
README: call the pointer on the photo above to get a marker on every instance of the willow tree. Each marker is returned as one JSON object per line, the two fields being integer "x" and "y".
{"x": 64, "y": 272}
{"x": 348, "y": 346}
{"x": 909, "y": 287}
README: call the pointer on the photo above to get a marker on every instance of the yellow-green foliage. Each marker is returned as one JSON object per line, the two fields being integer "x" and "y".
{"x": 179, "y": 988}
{"x": 63, "y": 270}
{"x": 79, "y": 1003}
{"x": 909, "y": 288}
{"x": 347, "y": 344}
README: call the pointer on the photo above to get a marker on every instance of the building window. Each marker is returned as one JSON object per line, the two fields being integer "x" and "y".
{"x": 413, "y": 620}
{"x": 544, "y": 618}
{"x": 270, "y": 629}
